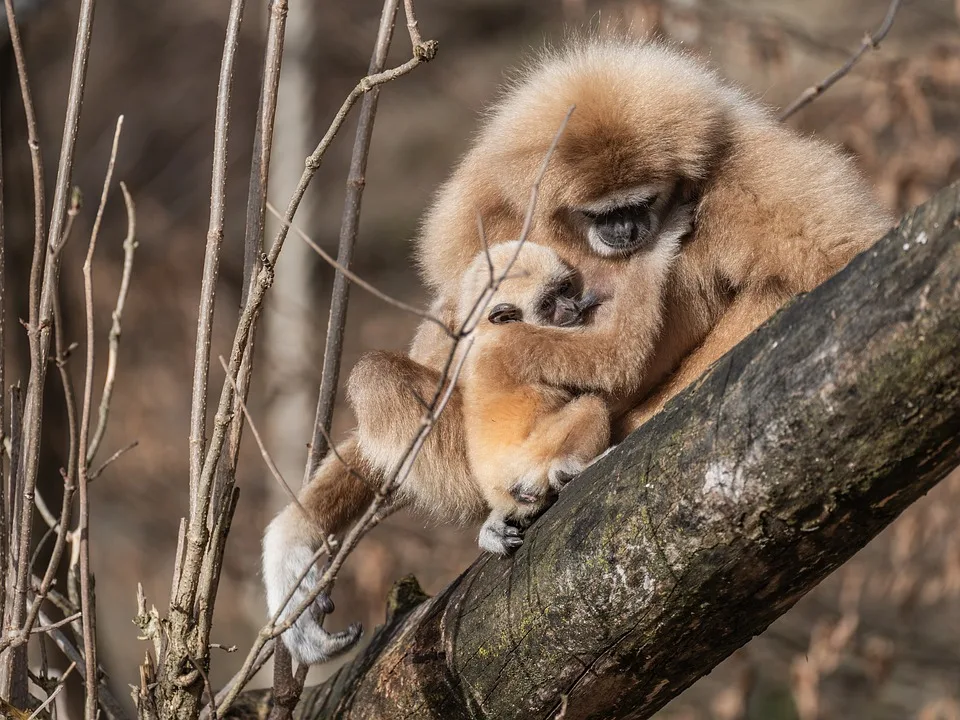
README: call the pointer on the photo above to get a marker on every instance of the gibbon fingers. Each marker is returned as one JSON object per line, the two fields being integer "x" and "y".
{"x": 776, "y": 213}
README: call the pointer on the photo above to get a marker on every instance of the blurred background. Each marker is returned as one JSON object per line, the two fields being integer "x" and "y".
{"x": 879, "y": 639}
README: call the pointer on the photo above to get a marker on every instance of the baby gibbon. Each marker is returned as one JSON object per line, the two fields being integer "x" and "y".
{"x": 525, "y": 438}
{"x": 775, "y": 214}
{"x": 544, "y": 434}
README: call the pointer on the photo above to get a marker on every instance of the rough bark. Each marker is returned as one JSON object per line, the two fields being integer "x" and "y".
{"x": 774, "y": 468}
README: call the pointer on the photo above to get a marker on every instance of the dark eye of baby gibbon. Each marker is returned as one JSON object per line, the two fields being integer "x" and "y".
{"x": 505, "y": 313}
{"x": 623, "y": 228}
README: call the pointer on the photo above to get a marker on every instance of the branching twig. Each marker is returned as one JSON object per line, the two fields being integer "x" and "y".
{"x": 353, "y": 277}
{"x": 268, "y": 459}
{"x": 129, "y": 247}
{"x": 870, "y": 42}
{"x": 13, "y": 666}
{"x": 60, "y": 623}
{"x": 42, "y": 293}
{"x": 83, "y": 523}
{"x": 211, "y": 260}
{"x": 112, "y": 459}
{"x": 196, "y": 551}
{"x": 53, "y": 696}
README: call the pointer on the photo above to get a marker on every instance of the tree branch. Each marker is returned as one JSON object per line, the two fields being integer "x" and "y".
{"x": 675, "y": 549}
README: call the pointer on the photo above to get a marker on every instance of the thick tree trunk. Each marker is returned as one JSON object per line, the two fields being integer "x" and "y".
{"x": 707, "y": 524}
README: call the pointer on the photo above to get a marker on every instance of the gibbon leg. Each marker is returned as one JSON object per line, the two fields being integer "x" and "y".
{"x": 745, "y": 314}
{"x": 333, "y": 498}
{"x": 569, "y": 439}
{"x": 383, "y": 391}
{"x": 561, "y": 444}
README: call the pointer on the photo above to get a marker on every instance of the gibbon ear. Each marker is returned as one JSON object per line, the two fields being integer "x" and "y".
{"x": 505, "y": 313}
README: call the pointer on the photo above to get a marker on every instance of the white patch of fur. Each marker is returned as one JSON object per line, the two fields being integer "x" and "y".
{"x": 286, "y": 552}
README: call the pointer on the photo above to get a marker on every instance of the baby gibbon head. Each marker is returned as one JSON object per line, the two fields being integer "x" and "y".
{"x": 649, "y": 128}
{"x": 539, "y": 288}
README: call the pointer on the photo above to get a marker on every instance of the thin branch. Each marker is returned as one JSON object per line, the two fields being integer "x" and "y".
{"x": 221, "y": 697}
{"x": 870, "y": 42}
{"x": 112, "y": 459}
{"x": 268, "y": 459}
{"x": 211, "y": 260}
{"x": 39, "y": 333}
{"x": 13, "y": 684}
{"x": 206, "y": 681}
{"x": 108, "y": 702}
{"x": 60, "y": 623}
{"x": 129, "y": 247}
{"x": 83, "y": 521}
{"x": 353, "y": 277}
{"x": 53, "y": 696}
{"x": 254, "y": 227}
{"x": 198, "y": 533}
{"x": 349, "y": 227}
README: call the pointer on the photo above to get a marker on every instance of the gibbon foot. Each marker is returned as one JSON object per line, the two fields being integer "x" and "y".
{"x": 498, "y": 537}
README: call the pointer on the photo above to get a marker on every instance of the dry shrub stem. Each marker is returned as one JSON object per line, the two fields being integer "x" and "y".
{"x": 87, "y": 599}
{"x": 13, "y": 670}
{"x": 129, "y": 249}
{"x": 211, "y": 260}
{"x": 870, "y": 42}
{"x": 350, "y": 223}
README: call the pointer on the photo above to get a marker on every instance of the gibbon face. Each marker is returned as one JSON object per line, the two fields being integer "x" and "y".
{"x": 649, "y": 127}
{"x": 538, "y": 288}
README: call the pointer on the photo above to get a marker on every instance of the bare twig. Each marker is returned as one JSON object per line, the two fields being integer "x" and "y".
{"x": 350, "y": 223}
{"x": 60, "y": 623}
{"x": 53, "y": 696}
{"x": 206, "y": 681}
{"x": 870, "y": 42}
{"x": 129, "y": 247}
{"x": 265, "y": 654}
{"x": 83, "y": 477}
{"x": 267, "y": 458}
{"x": 254, "y": 228}
{"x": 198, "y": 533}
{"x": 353, "y": 277}
{"x": 211, "y": 260}
{"x": 108, "y": 702}
{"x": 13, "y": 682}
{"x": 112, "y": 459}
{"x": 39, "y": 330}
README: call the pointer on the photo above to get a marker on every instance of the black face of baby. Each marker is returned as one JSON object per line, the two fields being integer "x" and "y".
{"x": 563, "y": 303}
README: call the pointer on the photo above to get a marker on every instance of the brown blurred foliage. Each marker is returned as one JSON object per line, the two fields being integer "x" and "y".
{"x": 881, "y": 638}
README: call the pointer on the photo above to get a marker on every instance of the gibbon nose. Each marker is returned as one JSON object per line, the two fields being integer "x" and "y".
{"x": 566, "y": 312}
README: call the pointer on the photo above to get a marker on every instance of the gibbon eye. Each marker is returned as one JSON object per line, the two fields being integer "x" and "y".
{"x": 505, "y": 313}
{"x": 565, "y": 289}
{"x": 622, "y": 228}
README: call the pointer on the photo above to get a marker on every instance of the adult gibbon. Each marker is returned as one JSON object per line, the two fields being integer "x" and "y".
{"x": 654, "y": 130}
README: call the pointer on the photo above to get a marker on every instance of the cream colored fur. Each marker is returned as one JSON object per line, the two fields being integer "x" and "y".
{"x": 776, "y": 214}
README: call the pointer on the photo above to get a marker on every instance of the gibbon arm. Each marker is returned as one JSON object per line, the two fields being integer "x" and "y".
{"x": 748, "y": 310}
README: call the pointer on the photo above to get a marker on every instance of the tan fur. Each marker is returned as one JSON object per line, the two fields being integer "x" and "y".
{"x": 524, "y": 437}
{"x": 776, "y": 214}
